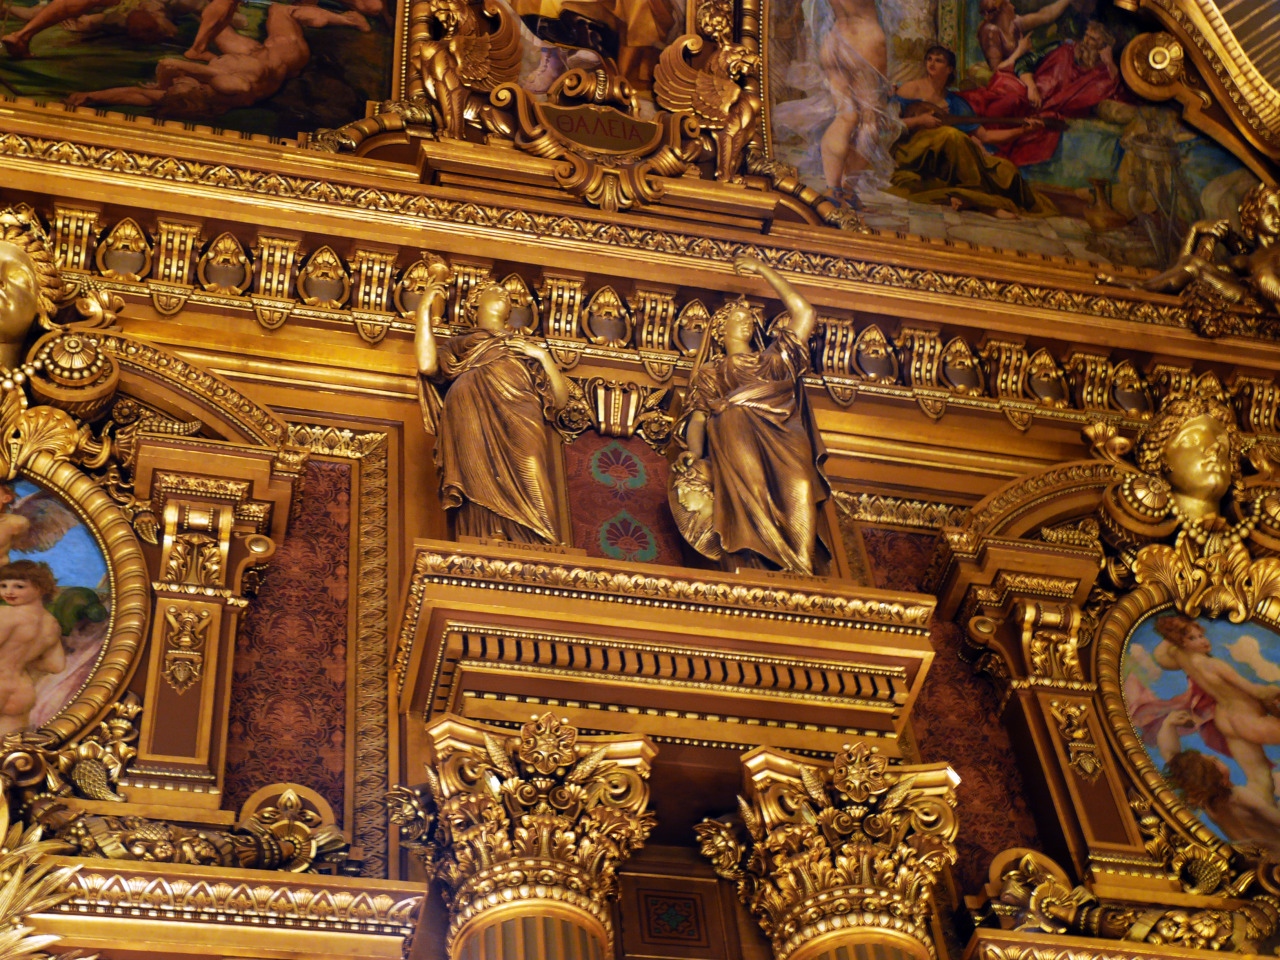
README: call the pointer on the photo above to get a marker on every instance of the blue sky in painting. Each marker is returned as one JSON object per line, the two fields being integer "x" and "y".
{"x": 75, "y": 560}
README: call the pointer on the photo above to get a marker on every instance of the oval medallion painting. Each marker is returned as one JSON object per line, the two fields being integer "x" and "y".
{"x": 1204, "y": 697}
{"x": 55, "y": 615}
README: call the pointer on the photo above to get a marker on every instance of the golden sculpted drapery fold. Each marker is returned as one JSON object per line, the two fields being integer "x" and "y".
{"x": 765, "y": 453}
{"x": 493, "y": 448}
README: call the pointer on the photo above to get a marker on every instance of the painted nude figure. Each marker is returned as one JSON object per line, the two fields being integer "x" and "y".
{"x": 1246, "y": 714}
{"x": 854, "y": 57}
{"x": 30, "y": 640}
{"x": 1205, "y": 783}
{"x": 244, "y": 72}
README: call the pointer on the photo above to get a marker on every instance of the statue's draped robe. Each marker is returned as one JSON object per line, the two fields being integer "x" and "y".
{"x": 764, "y": 455}
{"x": 493, "y": 448}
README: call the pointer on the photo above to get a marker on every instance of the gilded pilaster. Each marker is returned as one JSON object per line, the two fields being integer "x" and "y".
{"x": 526, "y": 833}
{"x": 835, "y": 859}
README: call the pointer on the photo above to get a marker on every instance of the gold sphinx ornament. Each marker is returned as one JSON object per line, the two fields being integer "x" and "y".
{"x": 1235, "y": 293}
{"x": 503, "y": 390}
{"x": 714, "y": 94}
{"x": 748, "y": 486}
{"x": 461, "y": 60}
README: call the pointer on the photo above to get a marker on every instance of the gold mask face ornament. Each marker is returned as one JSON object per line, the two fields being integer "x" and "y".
{"x": 1198, "y": 463}
{"x": 19, "y": 301}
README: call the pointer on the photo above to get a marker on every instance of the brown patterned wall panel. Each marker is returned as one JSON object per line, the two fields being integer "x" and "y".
{"x": 681, "y": 918}
{"x": 288, "y": 692}
{"x": 955, "y": 721}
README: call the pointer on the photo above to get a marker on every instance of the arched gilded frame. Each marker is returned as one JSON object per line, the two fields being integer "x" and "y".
{"x": 1115, "y": 633}
{"x": 129, "y": 590}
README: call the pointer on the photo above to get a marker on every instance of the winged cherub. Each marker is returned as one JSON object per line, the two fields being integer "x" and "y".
{"x": 31, "y": 524}
{"x": 714, "y": 94}
{"x": 465, "y": 58}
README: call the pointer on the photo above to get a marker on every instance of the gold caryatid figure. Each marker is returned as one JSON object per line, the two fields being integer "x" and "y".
{"x": 748, "y": 487}
{"x": 29, "y": 281}
{"x": 494, "y": 446}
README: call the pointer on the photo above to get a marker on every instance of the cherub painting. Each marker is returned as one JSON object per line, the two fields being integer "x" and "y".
{"x": 1204, "y": 696}
{"x": 55, "y": 611}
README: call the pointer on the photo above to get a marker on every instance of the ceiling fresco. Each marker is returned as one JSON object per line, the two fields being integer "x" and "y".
{"x": 991, "y": 122}
{"x": 266, "y": 68}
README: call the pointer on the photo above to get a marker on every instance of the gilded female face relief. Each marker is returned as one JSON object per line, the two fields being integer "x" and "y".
{"x": 1198, "y": 463}
{"x": 19, "y": 301}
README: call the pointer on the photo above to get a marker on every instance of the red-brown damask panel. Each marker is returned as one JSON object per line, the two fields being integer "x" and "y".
{"x": 288, "y": 690}
{"x": 618, "y": 500}
{"x": 955, "y": 721}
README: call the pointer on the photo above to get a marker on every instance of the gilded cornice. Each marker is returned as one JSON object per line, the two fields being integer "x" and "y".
{"x": 595, "y": 581}
{"x": 899, "y": 511}
{"x": 243, "y": 898}
{"x": 376, "y": 196}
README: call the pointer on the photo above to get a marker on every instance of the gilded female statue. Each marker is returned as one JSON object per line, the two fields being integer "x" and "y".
{"x": 748, "y": 487}
{"x": 494, "y": 447}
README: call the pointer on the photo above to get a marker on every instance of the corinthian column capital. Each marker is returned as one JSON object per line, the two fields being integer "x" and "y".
{"x": 526, "y": 832}
{"x": 829, "y": 857}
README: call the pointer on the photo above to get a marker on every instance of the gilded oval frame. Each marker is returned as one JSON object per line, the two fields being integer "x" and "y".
{"x": 1114, "y": 632}
{"x": 130, "y": 593}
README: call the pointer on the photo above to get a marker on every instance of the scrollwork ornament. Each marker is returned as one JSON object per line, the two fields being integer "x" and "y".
{"x": 859, "y": 845}
{"x": 286, "y": 836}
{"x": 32, "y": 766}
{"x": 497, "y": 810}
{"x": 1033, "y": 896}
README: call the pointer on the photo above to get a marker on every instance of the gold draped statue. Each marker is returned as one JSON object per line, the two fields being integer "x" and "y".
{"x": 748, "y": 487}
{"x": 495, "y": 449}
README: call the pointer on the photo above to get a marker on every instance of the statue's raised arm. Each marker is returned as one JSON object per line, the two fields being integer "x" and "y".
{"x": 801, "y": 317}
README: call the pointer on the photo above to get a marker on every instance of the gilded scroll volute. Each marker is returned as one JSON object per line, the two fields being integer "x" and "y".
{"x": 821, "y": 852}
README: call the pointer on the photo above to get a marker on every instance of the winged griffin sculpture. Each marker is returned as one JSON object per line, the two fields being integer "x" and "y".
{"x": 463, "y": 58}
{"x": 714, "y": 94}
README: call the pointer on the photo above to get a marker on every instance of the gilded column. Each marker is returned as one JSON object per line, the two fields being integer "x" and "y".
{"x": 841, "y": 861}
{"x": 526, "y": 833}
